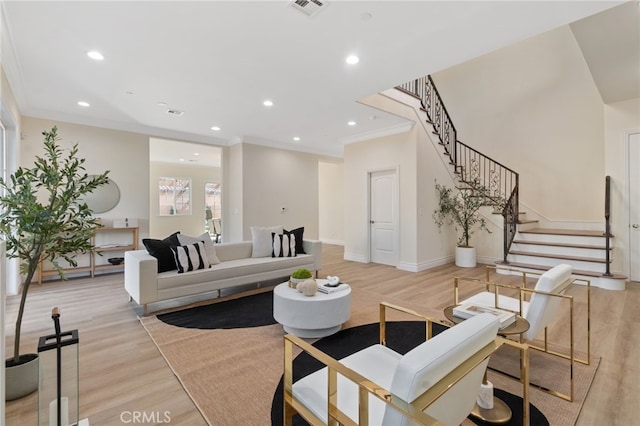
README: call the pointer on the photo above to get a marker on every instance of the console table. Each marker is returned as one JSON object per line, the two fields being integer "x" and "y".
{"x": 102, "y": 246}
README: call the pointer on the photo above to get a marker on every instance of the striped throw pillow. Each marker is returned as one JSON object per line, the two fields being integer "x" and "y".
{"x": 283, "y": 245}
{"x": 190, "y": 257}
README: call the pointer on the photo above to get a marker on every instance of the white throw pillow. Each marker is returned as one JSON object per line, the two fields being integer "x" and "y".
{"x": 209, "y": 247}
{"x": 261, "y": 239}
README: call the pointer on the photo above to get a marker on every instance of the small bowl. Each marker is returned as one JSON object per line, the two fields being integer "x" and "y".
{"x": 115, "y": 260}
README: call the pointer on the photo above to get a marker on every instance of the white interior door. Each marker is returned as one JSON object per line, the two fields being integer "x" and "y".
{"x": 383, "y": 214}
{"x": 634, "y": 206}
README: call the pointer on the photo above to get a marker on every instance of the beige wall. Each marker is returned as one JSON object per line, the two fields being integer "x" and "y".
{"x": 193, "y": 224}
{"x": 331, "y": 202}
{"x": 395, "y": 152}
{"x": 232, "y": 226}
{"x": 621, "y": 119}
{"x": 421, "y": 161}
{"x": 125, "y": 154}
{"x": 534, "y": 107}
{"x": 273, "y": 179}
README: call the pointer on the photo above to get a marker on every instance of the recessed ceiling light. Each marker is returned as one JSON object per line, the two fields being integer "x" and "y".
{"x": 95, "y": 55}
{"x": 196, "y": 153}
{"x": 215, "y": 128}
{"x": 352, "y": 59}
{"x": 182, "y": 159}
{"x": 351, "y": 123}
{"x": 267, "y": 103}
{"x": 83, "y": 104}
{"x": 296, "y": 138}
{"x": 163, "y": 104}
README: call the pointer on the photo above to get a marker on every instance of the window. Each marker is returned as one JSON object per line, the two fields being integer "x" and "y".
{"x": 174, "y": 195}
{"x": 213, "y": 210}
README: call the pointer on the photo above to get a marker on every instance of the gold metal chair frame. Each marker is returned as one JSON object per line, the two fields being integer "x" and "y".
{"x": 412, "y": 410}
{"x": 524, "y": 291}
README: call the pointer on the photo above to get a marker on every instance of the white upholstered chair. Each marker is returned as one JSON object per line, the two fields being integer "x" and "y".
{"x": 435, "y": 383}
{"x": 539, "y": 306}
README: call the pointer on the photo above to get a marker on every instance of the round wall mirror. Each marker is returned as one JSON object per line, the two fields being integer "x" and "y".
{"x": 104, "y": 197}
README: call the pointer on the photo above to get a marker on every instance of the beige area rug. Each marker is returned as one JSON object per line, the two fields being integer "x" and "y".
{"x": 231, "y": 375}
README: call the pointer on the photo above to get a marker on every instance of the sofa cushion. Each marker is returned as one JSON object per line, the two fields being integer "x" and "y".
{"x": 161, "y": 250}
{"x": 231, "y": 269}
{"x": 312, "y": 389}
{"x": 422, "y": 367}
{"x": 283, "y": 245}
{"x": 190, "y": 257}
{"x": 299, "y": 234}
{"x": 209, "y": 247}
{"x": 542, "y": 308}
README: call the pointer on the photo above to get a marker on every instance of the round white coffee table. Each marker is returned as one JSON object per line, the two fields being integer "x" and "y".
{"x": 311, "y": 316}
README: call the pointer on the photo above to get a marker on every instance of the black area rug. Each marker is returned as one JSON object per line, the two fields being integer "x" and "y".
{"x": 402, "y": 336}
{"x": 255, "y": 310}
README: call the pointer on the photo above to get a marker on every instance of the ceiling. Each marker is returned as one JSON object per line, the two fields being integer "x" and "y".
{"x": 217, "y": 61}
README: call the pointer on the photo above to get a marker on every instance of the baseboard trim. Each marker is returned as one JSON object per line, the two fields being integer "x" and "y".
{"x": 332, "y": 242}
{"x": 355, "y": 257}
{"x": 423, "y": 266}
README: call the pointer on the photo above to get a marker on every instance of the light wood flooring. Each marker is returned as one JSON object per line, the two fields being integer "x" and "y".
{"x": 121, "y": 370}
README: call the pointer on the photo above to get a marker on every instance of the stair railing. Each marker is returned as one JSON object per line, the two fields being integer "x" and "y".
{"x": 607, "y": 226}
{"x": 469, "y": 164}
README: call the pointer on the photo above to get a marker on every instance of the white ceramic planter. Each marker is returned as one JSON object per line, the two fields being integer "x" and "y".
{"x": 466, "y": 257}
{"x": 22, "y": 379}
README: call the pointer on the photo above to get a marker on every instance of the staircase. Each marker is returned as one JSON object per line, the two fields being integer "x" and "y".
{"x": 525, "y": 246}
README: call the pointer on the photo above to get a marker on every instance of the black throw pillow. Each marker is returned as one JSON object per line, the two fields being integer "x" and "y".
{"x": 161, "y": 250}
{"x": 298, "y": 234}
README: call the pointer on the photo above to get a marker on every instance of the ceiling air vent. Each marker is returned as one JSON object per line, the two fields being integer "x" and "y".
{"x": 309, "y": 7}
{"x": 175, "y": 112}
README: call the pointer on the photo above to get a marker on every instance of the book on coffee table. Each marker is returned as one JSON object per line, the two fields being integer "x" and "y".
{"x": 469, "y": 309}
{"x": 324, "y": 288}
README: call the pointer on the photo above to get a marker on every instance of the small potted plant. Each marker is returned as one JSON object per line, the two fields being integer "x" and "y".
{"x": 461, "y": 207}
{"x": 299, "y": 275}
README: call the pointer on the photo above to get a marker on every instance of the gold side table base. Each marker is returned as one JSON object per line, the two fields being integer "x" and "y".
{"x": 498, "y": 415}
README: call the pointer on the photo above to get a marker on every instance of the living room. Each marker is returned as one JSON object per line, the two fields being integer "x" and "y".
{"x": 267, "y": 185}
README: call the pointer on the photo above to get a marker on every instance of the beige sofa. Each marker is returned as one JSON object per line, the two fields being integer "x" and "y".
{"x": 145, "y": 285}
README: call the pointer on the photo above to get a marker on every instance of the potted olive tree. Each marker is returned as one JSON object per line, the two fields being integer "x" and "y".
{"x": 460, "y": 207}
{"x": 43, "y": 217}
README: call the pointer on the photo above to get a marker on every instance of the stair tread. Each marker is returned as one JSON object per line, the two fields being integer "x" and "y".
{"x": 545, "y": 243}
{"x": 546, "y": 268}
{"x": 558, "y": 256}
{"x": 572, "y": 232}
{"x": 525, "y": 221}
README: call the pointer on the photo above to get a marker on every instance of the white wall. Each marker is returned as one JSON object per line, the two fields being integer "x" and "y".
{"x": 621, "y": 118}
{"x": 193, "y": 224}
{"x": 331, "y": 202}
{"x": 125, "y": 154}
{"x": 534, "y": 107}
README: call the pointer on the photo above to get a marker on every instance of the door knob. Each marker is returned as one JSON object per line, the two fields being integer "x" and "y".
{"x": 636, "y": 226}
{"x": 372, "y": 221}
